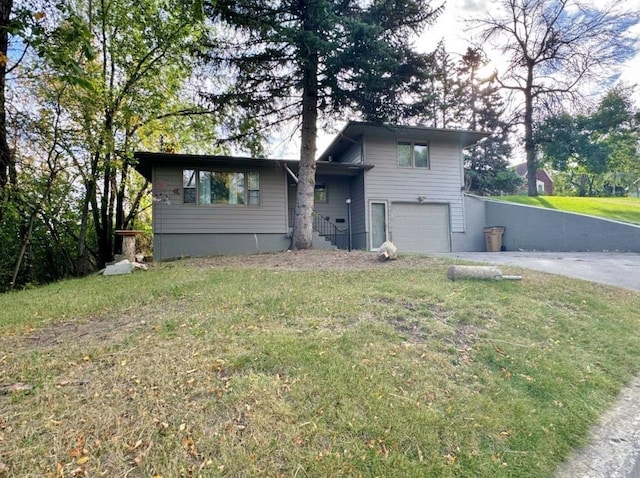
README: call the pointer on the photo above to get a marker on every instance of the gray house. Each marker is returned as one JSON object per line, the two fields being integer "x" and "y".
{"x": 398, "y": 183}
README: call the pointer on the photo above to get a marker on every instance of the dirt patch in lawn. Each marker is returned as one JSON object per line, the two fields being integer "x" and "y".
{"x": 313, "y": 260}
{"x": 100, "y": 330}
{"x": 97, "y": 328}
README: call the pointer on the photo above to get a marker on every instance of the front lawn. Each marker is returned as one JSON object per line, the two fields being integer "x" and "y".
{"x": 308, "y": 364}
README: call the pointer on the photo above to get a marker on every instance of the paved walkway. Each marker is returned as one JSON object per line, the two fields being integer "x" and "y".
{"x": 614, "y": 445}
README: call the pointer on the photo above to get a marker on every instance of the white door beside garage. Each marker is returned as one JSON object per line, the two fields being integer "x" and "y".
{"x": 420, "y": 227}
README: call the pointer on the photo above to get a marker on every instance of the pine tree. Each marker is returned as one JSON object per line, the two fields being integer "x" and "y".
{"x": 297, "y": 60}
{"x": 486, "y": 164}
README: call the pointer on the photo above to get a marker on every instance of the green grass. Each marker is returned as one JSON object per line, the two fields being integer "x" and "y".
{"x": 389, "y": 370}
{"x": 619, "y": 209}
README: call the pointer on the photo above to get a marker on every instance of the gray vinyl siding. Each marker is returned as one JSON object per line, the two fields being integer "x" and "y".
{"x": 337, "y": 194}
{"x": 353, "y": 155}
{"x": 440, "y": 183}
{"x": 171, "y": 216}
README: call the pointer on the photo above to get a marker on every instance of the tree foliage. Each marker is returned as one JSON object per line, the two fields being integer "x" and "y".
{"x": 552, "y": 49}
{"x": 596, "y": 150}
{"x": 293, "y": 60}
{"x": 460, "y": 94}
{"x": 117, "y": 65}
{"x": 486, "y": 164}
{"x": 100, "y": 80}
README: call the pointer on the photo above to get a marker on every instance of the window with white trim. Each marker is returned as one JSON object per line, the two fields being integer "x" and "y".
{"x": 220, "y": 187}
{"x": 413, "y": 155}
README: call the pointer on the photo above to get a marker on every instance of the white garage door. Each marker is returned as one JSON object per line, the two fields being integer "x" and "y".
{"x": 420, "y": 227}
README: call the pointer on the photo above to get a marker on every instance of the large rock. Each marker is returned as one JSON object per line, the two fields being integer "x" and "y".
{"x": 387, "y": 251}
{"x": 122, "y": 267}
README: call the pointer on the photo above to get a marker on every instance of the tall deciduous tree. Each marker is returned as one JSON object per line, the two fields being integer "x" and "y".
{"x": 124, "y": 64}
{"x": 552, "y": 47}
{"x": 296, "y": 59}
{"x": 7, "y": 169}
{"x": 588, "y": 147}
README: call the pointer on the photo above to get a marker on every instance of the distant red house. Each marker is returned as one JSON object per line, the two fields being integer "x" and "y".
{"x": 544, "y": 183}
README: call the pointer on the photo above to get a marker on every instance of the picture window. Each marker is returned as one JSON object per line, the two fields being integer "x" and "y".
{"x": 220, "y": 187}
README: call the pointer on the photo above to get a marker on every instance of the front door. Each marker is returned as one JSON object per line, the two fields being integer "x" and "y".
{"x": 378, "y": 224}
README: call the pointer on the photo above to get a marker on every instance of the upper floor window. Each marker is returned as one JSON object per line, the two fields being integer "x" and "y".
{"x": 220, "y": 187}
{"x": 413, "y": 155}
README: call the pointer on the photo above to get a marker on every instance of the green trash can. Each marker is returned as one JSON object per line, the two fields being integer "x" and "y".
{"x": 493, "y": 237}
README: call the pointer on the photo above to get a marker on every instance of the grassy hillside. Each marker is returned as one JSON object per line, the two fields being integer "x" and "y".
{"x": 308, "y": 364}
{"x": 620, "y": 209}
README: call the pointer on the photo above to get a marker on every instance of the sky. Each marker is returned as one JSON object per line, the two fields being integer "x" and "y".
{"x": 452, "y": 27}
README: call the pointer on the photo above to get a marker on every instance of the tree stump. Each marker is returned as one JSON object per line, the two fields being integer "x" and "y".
{"x": 128, "y": 243}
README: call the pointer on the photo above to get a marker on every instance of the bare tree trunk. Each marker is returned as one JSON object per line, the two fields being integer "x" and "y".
{"x": 135, "y": 205}
{"x": 303, "y": 221}
{"x": 23, "y": 249}
{"x": 582, "y": 192}
{"x": 529, "y": 146}
{"x": 120, "y": 200}
{"x": 613, "y": 189}
{"x": 7, "y": 168}
{"x": 83, "y": 265}
{"x": 104, "y": 227}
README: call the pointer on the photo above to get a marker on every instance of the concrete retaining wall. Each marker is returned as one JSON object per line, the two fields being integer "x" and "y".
{"x": 540, "y": 229}
{"x": 472, "y": 240}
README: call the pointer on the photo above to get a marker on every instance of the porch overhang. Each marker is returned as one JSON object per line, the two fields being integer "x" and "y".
{"x": 335, "y": 169}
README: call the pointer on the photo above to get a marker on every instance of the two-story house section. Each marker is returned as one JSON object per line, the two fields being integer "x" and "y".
{"x": 413, "y": 194}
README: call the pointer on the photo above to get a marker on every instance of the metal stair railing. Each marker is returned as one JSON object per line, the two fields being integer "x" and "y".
{"x": 327, "y": 229}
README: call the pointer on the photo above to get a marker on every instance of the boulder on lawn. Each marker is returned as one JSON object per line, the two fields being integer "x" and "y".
{"x": 387, "y": 251}
{"x": 122, "y": 267}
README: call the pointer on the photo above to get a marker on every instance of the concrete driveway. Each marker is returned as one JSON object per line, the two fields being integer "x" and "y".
{"x": 613, "y": 268}
{"x": 614, "y": 446}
